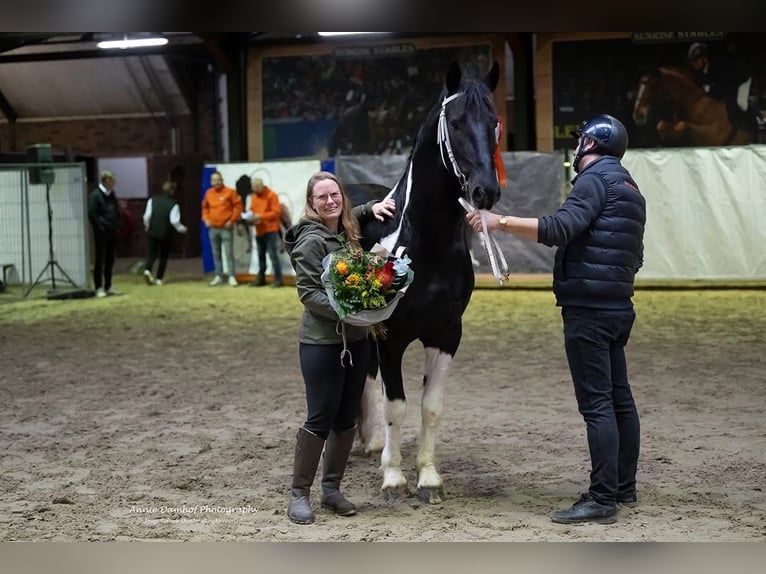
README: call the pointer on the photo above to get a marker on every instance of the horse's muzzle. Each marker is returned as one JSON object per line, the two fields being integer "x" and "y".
{"x": 485, "y": 198}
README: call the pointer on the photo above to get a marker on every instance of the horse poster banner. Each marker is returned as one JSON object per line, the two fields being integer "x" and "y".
{"x": 670, "y": 89}
{"x": 361, "y": 100}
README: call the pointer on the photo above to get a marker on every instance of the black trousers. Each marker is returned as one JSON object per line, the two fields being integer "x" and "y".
{"x": 158, "y": 248}
{"x": 268, "y": 243}
{"x": 105, "y": 244}
{"x": 333, "y": 391}
{"x": 595, "y": 342}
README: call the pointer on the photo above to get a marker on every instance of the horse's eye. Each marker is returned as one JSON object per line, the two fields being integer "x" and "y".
{"x": 453, "y": 123}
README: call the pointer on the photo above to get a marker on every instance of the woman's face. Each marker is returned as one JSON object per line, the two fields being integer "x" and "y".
{"x": 327, "y": 200}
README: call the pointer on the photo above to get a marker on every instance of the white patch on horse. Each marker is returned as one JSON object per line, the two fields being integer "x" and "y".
{"x": 436, "y": 368}
{"x": 391, "y": 459}
{"x": 389, "y": 241}
{"x": 371, "y": 424}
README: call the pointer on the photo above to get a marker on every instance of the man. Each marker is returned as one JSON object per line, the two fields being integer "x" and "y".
{"x": 264, "y": 210}
{"x": 161, "y": 215}
{"x": 599, "y": 230}
{"x": 726, "y": 80}
{"x": 104, "y": 216}
{"x": 221, "y": 209}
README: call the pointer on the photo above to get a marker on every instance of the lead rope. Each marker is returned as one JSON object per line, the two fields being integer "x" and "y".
{"x": 501, "y": 273}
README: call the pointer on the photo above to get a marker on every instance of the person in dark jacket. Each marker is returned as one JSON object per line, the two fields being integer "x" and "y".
{"x": 599, "y": 232}
{"x": 104, "y": 216}
{"x": 725, "y": 79}
{"x": 333, "y": 384}
{"x": 161, "y": 216}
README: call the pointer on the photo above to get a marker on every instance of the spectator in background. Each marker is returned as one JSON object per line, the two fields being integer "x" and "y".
{"x": 104, "y": 216}
{"x": 161, "y": 215}
{"x": 264, "y": 210}
{"x": 221, "y": 209}
{"x": 243, "y": 186}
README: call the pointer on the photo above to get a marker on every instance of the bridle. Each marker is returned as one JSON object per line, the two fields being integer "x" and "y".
{"x": 442, "y": 137}
{"x": 488, "y": 242}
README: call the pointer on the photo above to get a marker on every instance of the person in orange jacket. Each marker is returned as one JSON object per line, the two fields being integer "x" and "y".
{"x": 264, "y": 211}
{"x": 221, "y": 209}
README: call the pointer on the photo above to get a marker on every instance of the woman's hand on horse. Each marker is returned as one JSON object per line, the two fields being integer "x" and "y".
{"x": 384, "y": 209}
{"x": 474, "y": 220}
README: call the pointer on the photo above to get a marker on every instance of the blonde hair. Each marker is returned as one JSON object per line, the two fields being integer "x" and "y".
{"x": 348, "y": 221}
{"x": 168, "y": 187}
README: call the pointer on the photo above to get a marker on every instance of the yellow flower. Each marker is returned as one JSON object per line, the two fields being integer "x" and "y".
{"x": 352, "y": 279}
{"x": 341, "y": 267}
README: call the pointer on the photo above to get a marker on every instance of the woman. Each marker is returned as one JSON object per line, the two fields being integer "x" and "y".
{"x": 333, "y": 386}
{"x": 161, "y": 213}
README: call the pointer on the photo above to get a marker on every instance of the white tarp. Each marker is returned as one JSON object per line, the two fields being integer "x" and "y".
{"x": 706, "y": 209}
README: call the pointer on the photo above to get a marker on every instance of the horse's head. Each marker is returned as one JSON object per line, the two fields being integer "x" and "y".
{"x": 469, "y": 130}
{"x": 648, "y": 91}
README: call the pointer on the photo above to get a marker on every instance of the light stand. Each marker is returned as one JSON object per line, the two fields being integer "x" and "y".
{"x": 52, "y": 263}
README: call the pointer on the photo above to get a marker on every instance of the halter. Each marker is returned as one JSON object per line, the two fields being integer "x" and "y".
{"x": 488, "y": 242}
{"x": 442, "y": 137}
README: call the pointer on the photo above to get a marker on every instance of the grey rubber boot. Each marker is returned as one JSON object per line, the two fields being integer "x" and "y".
{"x": 336, "y": 454}
{"x": 308, "y": 449}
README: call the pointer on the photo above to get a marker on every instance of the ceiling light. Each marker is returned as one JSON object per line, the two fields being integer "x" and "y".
{"x": 134, "y": 43}
{"x": 347, "y": 33}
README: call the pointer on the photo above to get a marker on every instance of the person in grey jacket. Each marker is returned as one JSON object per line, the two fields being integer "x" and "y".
{"x": 333, "y": 385}
{"x": 599, "y": 232}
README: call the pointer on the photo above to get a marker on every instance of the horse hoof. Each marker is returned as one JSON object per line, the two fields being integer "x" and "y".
{"x": 373, "y": 451}
{"x": 395, "y": 494}
{"x": 431, "y": 495}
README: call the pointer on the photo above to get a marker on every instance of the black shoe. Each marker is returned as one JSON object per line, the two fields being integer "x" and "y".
{"x": 258, "y": 283}
{"x": 586, "y": 510}
{"x": 629, "y": 500}
{"x": 277, "y": 283}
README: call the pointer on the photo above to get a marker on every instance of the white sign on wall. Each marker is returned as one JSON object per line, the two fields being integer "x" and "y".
{"x": 131, "y": 176}
{"x": 288, "y": 180}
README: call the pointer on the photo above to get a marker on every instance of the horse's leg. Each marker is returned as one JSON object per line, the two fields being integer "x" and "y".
{"x": 394, "y": 482}
{"x": 430, "y": 487}
{"x": 371, "y": 412}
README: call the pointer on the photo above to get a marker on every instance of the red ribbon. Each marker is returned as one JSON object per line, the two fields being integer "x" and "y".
{"x": 499, "y": 160}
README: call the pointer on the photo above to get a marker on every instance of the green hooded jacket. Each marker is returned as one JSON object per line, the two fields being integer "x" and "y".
{"x": 308, "y": 242}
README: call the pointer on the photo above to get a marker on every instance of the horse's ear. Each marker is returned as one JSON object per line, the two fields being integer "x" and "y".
{"x": 453, "y": 77}
{"x": 492, "y": 77}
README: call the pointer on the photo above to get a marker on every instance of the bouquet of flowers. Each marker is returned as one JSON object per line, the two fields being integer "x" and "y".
{"x": 364, "y": 287}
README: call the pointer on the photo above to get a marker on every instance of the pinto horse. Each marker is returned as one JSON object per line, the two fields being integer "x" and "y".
{"x": 695, "y": 118}
{"x": 452, "y": 157}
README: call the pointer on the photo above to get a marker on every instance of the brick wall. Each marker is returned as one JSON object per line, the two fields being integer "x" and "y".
{"x": 111, "y": 136}
{"x": 142, "y": 136}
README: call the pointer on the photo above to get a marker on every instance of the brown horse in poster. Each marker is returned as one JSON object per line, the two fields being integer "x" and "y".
{"x": 697, "y": 118}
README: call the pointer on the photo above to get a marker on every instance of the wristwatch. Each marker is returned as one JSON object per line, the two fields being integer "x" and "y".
{"x": 503, "y": 221}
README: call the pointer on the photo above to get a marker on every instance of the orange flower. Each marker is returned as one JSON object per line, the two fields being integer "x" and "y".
{"x": 341, "y": 267}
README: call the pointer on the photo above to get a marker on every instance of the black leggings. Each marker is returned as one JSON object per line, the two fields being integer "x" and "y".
{"x": 333, "y": 391}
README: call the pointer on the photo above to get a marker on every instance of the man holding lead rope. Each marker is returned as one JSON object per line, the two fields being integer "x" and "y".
{"x": 599, "y": 232}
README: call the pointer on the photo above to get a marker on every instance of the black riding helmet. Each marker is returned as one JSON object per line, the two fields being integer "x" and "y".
{"x": 697, "y": 50}
{"x": 610, "y": 136}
